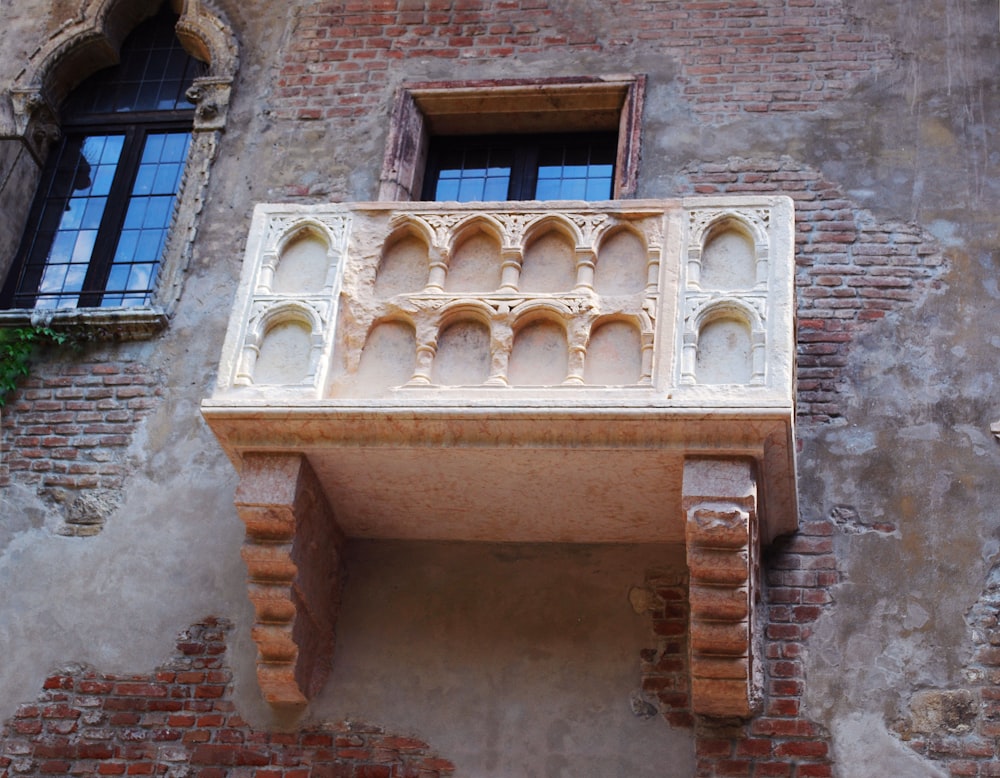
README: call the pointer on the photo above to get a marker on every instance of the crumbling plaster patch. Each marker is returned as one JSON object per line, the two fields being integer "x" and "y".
{"x": 114, "y": 600}
{"x": 863, "y": 747}
{"x": 930, "y": 478}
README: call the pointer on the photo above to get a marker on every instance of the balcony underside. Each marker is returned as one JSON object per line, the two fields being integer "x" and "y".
{"x": 586, "y": 476}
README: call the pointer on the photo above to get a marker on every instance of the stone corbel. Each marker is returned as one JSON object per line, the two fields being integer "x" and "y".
{"x": 35, "y": 120}
{"x": 292, "y": 550}
{"x": 720, "y": 508}
{"x": 211, "y": 99}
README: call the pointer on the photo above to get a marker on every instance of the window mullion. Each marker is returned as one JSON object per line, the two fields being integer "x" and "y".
{"x": 114, "y": 216}
{"x": 524, "y": 172}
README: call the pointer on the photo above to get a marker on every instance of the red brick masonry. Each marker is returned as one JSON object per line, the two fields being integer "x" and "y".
{"x": 180, "y": 721}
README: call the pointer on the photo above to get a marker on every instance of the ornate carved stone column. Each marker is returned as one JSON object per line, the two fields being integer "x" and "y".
{"x": 292, "y": 549}
{"x": 720, "y": 508}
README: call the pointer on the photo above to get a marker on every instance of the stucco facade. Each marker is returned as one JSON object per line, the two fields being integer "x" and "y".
{"x": 128, "y": 624}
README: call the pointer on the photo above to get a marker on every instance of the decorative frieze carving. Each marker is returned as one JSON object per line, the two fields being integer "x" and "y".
{"x": 428, "y": 266}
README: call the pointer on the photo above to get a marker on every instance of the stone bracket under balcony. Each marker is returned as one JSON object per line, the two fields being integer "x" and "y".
{"x": 531, "y": 372}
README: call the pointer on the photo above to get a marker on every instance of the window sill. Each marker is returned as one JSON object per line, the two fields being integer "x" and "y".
{"x": 114, "y": 324}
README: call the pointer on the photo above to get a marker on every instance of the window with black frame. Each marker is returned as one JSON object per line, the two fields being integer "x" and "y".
{"x": 563, "y": 166}
{"x": 100, "y": 218}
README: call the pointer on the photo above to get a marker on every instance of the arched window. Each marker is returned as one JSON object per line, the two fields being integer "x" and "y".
{"x": 99, "y": 222}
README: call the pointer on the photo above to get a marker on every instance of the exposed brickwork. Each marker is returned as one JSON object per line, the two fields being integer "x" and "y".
{"x": 852, "y": 269}
{"x": 180, "y": 721}
{"x": 780, "y": 741}
{"x": 67, "y": 427}
{"x": 734, "y": 57}
{"x": 665, "y": 673}
{"x": 966, "y": 721}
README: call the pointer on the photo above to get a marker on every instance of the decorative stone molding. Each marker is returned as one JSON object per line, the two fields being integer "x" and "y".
{"x": 532, "y": 372}
{"x": 99, "y": 323}
{"x": 34, "y": 120}
{"x": 292, "y": 551}
{"x": 720, "y": 507}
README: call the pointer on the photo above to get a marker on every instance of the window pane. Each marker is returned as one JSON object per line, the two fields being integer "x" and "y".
{"x": 474, "y": 173}
{"x": 154, "y": 74}
{"x": 74, "y": 206}
{"x": 574, "y": 166}
{"x": 147, "y": 220}
{"x": 578, "y": 170}
{"x": 74, "y": 249}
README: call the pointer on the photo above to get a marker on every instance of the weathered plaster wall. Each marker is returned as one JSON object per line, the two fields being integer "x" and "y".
{"x": 504, "y": 655}
{"x": 896, "y": 456}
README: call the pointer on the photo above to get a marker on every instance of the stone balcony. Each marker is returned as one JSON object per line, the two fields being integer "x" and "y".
{"x": 533, "y": 372}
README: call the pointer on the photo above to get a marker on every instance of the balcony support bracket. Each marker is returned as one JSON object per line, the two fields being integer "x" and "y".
{"x": 723, "y": 553}
{"x": 293, "y": 551}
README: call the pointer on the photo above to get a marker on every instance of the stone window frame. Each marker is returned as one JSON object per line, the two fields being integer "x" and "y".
{"x": 549, "y": 105}
{"x": 29, "y": 116}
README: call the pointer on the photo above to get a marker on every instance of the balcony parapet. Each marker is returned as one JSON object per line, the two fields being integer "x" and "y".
{"x": 689, "y": 301}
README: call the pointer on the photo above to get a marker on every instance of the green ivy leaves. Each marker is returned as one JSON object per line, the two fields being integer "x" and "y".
{"x": 17, "y": 346}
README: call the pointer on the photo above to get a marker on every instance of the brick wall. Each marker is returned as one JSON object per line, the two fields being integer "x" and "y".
{"x": 735, "y": 57}
{"x": 179, "y": 721}
{"x": 781, "y": 741}
{"x": 67, "y": 428}
{"x": 852, "y": 268}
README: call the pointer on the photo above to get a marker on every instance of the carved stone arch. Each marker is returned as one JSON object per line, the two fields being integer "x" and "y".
{"x": 614, "y": 349}
{"x": 478, "y": 223}
{"x": 479, "y": 271}
{"x": 725, "y": 307}
{"x": 724, "y": 220}
{"x": 464, "y": 344}
{"x": 751, "y": 228}
{"x": 615, "y": 271}
{"x": 465, "y": 309}
{"x": 553, "y": 222}
{"x": 541, "y": 346}
{"x": 612, "y": 229}
{"x": 285, "y": 313}
{"x": 282, "y": 313}
{"x": 531, "y": 310}
{"x": 409, "y": 225}
{"x": 304, "y": 229}
{"x": 206, "y": 33}
{"x": 721, "y": 310}
{"x": 641, "y": 322}
{"x": 92, "y": 41}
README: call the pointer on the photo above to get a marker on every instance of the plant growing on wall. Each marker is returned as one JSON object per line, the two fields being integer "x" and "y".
{"x": 17, "y": 347}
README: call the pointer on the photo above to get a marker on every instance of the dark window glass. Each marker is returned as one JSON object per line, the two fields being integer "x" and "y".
{"x": 100, "y": 218}
{"x": 514, "y": 167}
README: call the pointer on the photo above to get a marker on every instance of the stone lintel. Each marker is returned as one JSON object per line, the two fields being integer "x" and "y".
{"x": 723, "y": 548}
{"x": 292, "y": 550}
